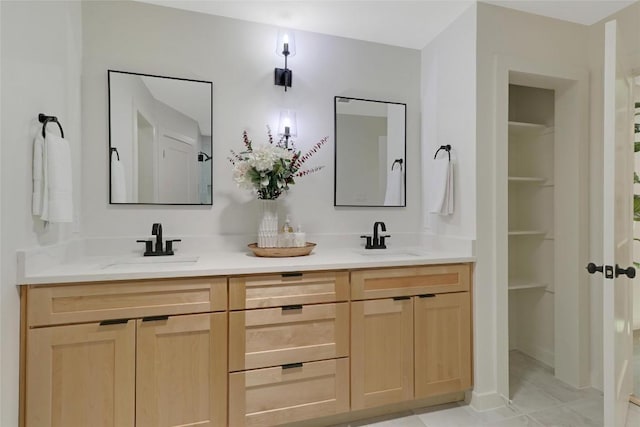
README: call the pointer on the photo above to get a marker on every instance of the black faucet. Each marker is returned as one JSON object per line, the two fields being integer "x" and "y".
{"x": 377, "y": 241}
{"x": 156, "y": 230}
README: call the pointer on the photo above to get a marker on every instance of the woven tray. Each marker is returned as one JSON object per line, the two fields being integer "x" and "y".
{"x": 281, "y": 252}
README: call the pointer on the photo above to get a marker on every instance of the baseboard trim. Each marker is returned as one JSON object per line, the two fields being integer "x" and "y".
{"x": 540, "y": 354}
{"x": 486, "y": 401}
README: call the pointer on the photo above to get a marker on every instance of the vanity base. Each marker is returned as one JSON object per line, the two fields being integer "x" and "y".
{"x": 379, "y": 411}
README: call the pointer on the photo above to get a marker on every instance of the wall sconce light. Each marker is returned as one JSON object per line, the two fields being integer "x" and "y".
{"x": 287, "y": 126}
{"x": 285, "y": 46}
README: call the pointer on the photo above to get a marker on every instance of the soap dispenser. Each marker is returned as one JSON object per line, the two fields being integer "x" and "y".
{"x": 299, "y": 238}
{"x": 286, "y": 236}
{"x": 287, "y": 228}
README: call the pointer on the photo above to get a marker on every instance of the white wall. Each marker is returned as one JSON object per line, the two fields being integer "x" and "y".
{"x": 449, "y": 117}
{"x": 239, "y": 58}
{"x": 128, "y": 93}
{"x": 359, "y": 150}
{"x": 629, "y": 27}
{"x": 41, "y": 65}
{"x": 504, "y": 33}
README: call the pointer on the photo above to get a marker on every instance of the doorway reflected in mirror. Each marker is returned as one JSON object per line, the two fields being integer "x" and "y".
{"x": 161, "y": 128}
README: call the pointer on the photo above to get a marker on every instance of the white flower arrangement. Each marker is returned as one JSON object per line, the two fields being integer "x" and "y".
{"x": 269, "y": 169}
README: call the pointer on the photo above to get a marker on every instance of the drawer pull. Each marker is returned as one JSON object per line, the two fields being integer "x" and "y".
{"x": 427, "y": 296}
{"x": 292, "y": 365}
{"x": 291, "y": 307}
{"x": 114, "y": 322}
{"x": 400, "y": 298}
{"x": 292, "y": 274}
{"x": 155, "y": 318}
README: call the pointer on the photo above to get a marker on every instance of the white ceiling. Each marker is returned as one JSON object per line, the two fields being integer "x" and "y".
{"x": 409, "y": 24}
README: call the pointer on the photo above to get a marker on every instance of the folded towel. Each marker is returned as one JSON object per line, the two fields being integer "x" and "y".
{"x": 57, "y": 204}
{"x": 440, "y": 186}
{"x": 118, "y": 182}
{"x": 38, "y": 171}
{"x": 394, "y": 196}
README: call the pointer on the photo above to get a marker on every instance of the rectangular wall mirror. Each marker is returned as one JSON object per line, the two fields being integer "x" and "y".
{"x": 370, "y": 154}
{"x": 160, "y": 142}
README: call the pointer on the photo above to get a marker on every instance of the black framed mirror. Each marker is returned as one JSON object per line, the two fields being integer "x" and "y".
{"x": 160, "y": 139}
{"x": 370, "y": 152}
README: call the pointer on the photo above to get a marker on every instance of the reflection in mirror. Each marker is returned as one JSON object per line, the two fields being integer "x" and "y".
{"x": 160, "y": 128}
{"x": 370, "y": 152}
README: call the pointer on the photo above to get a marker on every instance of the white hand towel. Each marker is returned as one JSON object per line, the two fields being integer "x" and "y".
{"x": 118, "y": 182}
{"x": 57, "y": 203}
{"x": 38, "y": 172}
{"x": 394, "y": 196}
{"x": 440, "y": 186}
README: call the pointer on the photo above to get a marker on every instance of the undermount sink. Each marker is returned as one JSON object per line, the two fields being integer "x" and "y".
{"x": 166, "y": 261}
{"x": 392, "y": 252}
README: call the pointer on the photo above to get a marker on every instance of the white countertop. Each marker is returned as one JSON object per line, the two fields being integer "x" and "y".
{"x": 222, "y": 263}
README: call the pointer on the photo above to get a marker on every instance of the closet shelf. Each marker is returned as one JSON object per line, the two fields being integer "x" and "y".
{"x": 532, "y": 179}
{"x": 525, "y": 125}
{"x": 528, "y": 128}
{"x": 515, "y": 285}
{"x": 526, "y": 232}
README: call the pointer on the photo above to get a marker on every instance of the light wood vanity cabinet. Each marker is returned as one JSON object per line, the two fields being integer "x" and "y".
{"x": 413, "y": 343}
{"x": 381, "y": 352}
{"x": 81, "y": 375}
{"x": 288, "y": 362}
{"x": 146, "y": 369}
{"x": 283, "y": 348}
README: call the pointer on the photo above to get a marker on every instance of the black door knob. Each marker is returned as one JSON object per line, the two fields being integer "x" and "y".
{"x": 630, "y": 272}
{"x": 592, "y": 268}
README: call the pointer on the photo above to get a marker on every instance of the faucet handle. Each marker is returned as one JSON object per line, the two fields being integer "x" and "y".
{"x": 169, "y": 245}
{"x": 368, "y": 245}
{"x": 382, "y": 244}
{"x": 148, "y": 248}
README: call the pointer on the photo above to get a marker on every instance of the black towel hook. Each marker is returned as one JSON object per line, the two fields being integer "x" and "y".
{"x": 114, "y": 150}
{"x": 399, "y": 161}
{"x": 446, "y": 148}
{"x": 44, "y": 119}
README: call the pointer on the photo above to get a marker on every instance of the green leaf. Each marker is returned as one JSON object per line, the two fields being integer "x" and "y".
{"x": 636, "y": 207}
{"x": 636, "y": 146}
{"x": 636, "y": 178}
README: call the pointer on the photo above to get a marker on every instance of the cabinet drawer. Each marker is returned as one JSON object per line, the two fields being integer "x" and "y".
{"x": 390, "y": 282}
{"x": 60, "y": 304}
{"x": 276, "y": 290}
{"x": 276, "y": 336}
{"x": 273, "y": 396}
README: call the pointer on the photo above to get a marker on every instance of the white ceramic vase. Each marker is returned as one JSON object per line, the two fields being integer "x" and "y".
{"x": 268, "y": 226}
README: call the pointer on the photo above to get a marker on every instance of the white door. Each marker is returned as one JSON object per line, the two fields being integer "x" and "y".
{"x": 617, "y": 231}
{"x": 177, "y": 171}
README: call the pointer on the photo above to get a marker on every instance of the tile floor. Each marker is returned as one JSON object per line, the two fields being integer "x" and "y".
{"x": 538, "y": 400}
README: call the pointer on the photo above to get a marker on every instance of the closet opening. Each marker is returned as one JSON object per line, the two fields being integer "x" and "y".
{"x": 542, "y": 218}
{"x": 531, "y": 237}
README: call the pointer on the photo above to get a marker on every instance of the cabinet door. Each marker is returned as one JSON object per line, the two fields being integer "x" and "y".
{"x": 381, "y": 352}
{"x": 81, "y": 375}
{"x": 442, "y": 344}
{"x": 181, "y": 365}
